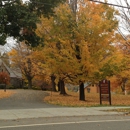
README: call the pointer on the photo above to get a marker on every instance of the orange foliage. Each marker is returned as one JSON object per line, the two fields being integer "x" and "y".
{"x": 6, "y": 95}
{"x": 72, "y": 99}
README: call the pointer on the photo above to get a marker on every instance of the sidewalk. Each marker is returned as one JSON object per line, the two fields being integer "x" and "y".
{"x": 56, "y": 112}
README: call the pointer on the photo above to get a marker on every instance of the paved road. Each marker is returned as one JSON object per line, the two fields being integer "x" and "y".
{"x": 25, "y": 99}
{"x": 121, "y": 125}
{"x": 69, "y": 123}
{"x": 26, "y": 110}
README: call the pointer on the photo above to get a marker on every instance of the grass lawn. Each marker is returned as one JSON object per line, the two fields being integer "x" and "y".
{"x": 5, "y": 94}
{"x": 72, "y": 99}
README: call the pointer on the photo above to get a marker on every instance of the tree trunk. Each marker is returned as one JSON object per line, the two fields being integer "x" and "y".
{"x": 53, "y": 83}
{"x": 30, "y": 83}
{"x": 62, "y": 87}
{"x": 81, "y": 91}
{"x": 59, "y": 86}
{"x": 123, "y": 86}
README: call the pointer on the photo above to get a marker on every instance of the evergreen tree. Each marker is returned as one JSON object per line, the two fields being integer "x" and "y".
{"x": 44, "y": 7}
{"x": 19, "y": 19}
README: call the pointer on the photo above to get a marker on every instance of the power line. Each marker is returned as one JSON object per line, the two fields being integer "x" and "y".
{"x": 121, "y": 6}
{"x": 42, "y": 3}
{"x": 110, "y": 4}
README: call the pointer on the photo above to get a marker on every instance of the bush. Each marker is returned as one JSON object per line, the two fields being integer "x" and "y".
{"x": 2, "y": 86}
{"x": 36, "y": 88}
{"x": 25, "y": 87}
{"x": 11, "y": 87}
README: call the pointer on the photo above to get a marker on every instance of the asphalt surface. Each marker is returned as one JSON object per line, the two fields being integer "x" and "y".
{"x": 26, "y": 110}
{"x": 25, "y": 99}
{"x": 117, "y": 125}
{"x": 66, "y": 123}
{"x": 28, "y": 104}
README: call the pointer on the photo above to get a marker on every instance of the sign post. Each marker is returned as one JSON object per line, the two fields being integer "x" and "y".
{"x": 105, "y": 94}
{"x": 5, "y": 85}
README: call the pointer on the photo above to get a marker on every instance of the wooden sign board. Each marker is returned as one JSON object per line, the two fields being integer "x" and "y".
{"x": 105, "y": 94}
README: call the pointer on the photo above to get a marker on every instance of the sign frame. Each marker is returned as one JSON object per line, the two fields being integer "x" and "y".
{"x": 105, "y": 92}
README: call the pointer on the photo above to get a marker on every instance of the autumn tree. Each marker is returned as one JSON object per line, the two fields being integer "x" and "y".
{"x": 123, "y": 77}
{"x": 53, "y": 50}
{"x": 20, "y": 57}
{"x": 124, "y": 28}
{"x": 4, "y": 78}
{"x": 43, "y": 72}
{"x": 76, "y": 47}
{"x": 122, "y": 44}
{"x": 99, "y": 39}
{"x": 31, "y": 63}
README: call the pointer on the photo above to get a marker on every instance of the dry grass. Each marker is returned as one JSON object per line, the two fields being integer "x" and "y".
{"x": 5, "y": 94}
{"x": 72, "y": 99}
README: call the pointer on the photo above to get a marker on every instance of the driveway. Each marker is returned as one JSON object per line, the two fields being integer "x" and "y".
{"x": 25, "y": 99}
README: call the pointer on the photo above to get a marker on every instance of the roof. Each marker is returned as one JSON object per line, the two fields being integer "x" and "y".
{"x": 14, "y": 73}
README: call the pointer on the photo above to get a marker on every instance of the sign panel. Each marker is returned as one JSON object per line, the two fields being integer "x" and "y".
{"x": 105, "y": 94}
{"x": 105, "y": 97}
